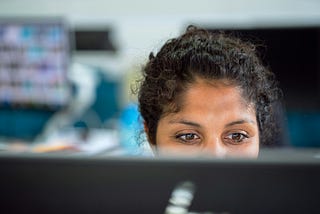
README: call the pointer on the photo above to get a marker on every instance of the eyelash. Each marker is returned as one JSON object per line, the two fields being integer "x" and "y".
{"x": 228, "y": 138}
{"x": 186, "y": 141}
{"x": 243, "y": 137}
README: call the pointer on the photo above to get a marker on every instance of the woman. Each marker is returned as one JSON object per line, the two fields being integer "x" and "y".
{"x": 207, "y": 93}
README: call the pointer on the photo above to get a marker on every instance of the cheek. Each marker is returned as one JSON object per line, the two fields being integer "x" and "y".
{"x": 250, "y": 150}
{"x": 168, "y": 150}
{"x": 253, "y": 150}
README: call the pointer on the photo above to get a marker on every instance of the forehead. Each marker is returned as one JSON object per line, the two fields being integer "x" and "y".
{"x": 218, "y": 96}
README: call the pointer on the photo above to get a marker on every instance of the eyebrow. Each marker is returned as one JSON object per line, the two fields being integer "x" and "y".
{"x": 186, "y": 122}
{"x": 190, "y": 123}
{"x": 239, "y": 122}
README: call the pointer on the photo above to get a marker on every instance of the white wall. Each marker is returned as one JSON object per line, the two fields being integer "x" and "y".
{"x": 143, "y": 25}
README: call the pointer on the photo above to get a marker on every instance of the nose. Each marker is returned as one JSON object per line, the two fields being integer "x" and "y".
{"x": 216, "y": 148}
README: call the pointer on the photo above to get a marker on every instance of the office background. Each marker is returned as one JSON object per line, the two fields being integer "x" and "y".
{"x": 110, "y": 41}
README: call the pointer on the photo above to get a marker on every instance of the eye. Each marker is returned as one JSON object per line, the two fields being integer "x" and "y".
{"x": 236, "y": 138}
{"x": 188, "y": 138}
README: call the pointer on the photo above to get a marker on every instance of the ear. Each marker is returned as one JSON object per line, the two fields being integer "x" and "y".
{"x": 151, "y": 144}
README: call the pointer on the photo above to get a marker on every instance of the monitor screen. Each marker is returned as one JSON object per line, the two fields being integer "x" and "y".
{"x": 33, "y": 63}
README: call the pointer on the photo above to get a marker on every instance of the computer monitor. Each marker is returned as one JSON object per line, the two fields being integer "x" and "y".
{"x": 75, "y": 184}
{"x": 34, "y": 57}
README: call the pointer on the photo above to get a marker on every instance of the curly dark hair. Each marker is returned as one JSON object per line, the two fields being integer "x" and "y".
{"x": 212, "y": 56}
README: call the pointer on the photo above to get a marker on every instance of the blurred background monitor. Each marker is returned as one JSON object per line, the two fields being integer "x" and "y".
{"x": 34, "y": 58}
{"x": 293, "y": 55}
{"x": 33, "y": 63}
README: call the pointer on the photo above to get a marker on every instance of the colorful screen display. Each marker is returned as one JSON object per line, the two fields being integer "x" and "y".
{"x": 33, "y": 63}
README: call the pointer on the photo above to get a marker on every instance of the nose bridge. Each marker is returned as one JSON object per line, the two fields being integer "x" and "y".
{"x": 214, "y": 146}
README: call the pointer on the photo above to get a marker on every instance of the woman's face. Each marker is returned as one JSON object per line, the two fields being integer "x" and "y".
{"x": 214, "y": 120}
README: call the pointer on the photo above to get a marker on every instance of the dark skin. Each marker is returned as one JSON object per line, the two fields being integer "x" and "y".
{"x": 215, "y": 120}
